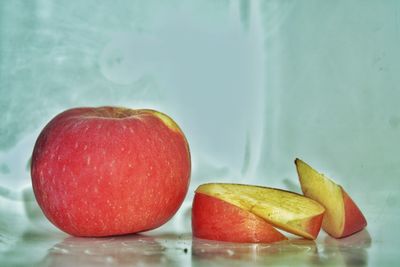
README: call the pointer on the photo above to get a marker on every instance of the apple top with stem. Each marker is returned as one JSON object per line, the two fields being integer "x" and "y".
{"x": 110, "y": 170}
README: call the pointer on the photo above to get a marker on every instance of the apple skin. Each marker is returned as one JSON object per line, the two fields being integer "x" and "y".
{"x": 110, "y": 171}
{"x": 216, "y": 219}
{"x": 354, "y": 220}
{"x": 288, "y": 211}
{"x": 342, "y": 218}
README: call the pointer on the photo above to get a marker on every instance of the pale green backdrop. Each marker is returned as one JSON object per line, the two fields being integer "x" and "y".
{"x": 253, "y": 84}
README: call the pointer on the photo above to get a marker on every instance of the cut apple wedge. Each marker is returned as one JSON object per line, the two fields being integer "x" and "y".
{"x": 342, "y": 217}
{"x": 216, "y": 219}
{"x": 288, "y": 211}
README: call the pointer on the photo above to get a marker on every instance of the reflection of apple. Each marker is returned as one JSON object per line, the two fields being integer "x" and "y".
{"x": 296, "y": 252}
{"x": 129, "y": 250}
{"x": 218, "y": 220}
{"x": 286, "y": 210}
{"x": 342, "y": 217}
{"x": 348, "y": 251}
{"x": 109, "y": 171}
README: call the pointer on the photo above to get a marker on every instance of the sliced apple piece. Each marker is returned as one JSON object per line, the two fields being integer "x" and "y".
{"x": 215, "y": 219}
{"x": 342, "y": 217}
{"x": 288, "y": 211}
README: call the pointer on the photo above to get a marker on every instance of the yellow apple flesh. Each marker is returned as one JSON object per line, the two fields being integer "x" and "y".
{"x": 342, "y": 217}
{"x": 288, "y": 211}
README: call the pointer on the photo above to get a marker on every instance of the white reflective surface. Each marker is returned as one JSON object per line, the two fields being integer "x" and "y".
{"x": 253, "y": 84}
{"x": 27, "y": 239}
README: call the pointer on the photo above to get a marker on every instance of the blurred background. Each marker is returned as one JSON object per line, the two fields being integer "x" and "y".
{"x": 253, "y": 84}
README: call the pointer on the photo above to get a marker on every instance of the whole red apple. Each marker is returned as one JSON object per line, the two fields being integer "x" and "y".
{"x": 110, "y": 171}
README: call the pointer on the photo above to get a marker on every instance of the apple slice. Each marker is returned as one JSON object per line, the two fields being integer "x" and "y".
{"x": 215, "y": 219}
{"x": 342, "y": 217}
{"x": 288, "y": 211}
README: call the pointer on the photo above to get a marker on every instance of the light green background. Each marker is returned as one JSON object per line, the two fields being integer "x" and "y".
{"x": 253, "y": 84}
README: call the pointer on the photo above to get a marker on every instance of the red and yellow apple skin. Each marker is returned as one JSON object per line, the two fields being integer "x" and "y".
{"x": 342, "y": 217}
{"x": 216, "y": 219}
{"x": 354, "y": 220}
{"x": 285, "y": 210}
{"x": 110, "y": 171}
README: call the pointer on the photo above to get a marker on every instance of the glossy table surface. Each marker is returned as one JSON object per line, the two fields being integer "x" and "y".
{"x": 31, "y": 241}
{"x": 253, "y": 84}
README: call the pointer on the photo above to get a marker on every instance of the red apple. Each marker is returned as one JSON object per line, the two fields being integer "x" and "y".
{"x": 216, "y": 219}
{"x": 110, "y": 171}
{"x": 285, "y": 210}
{"x": 342, "y": 217}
